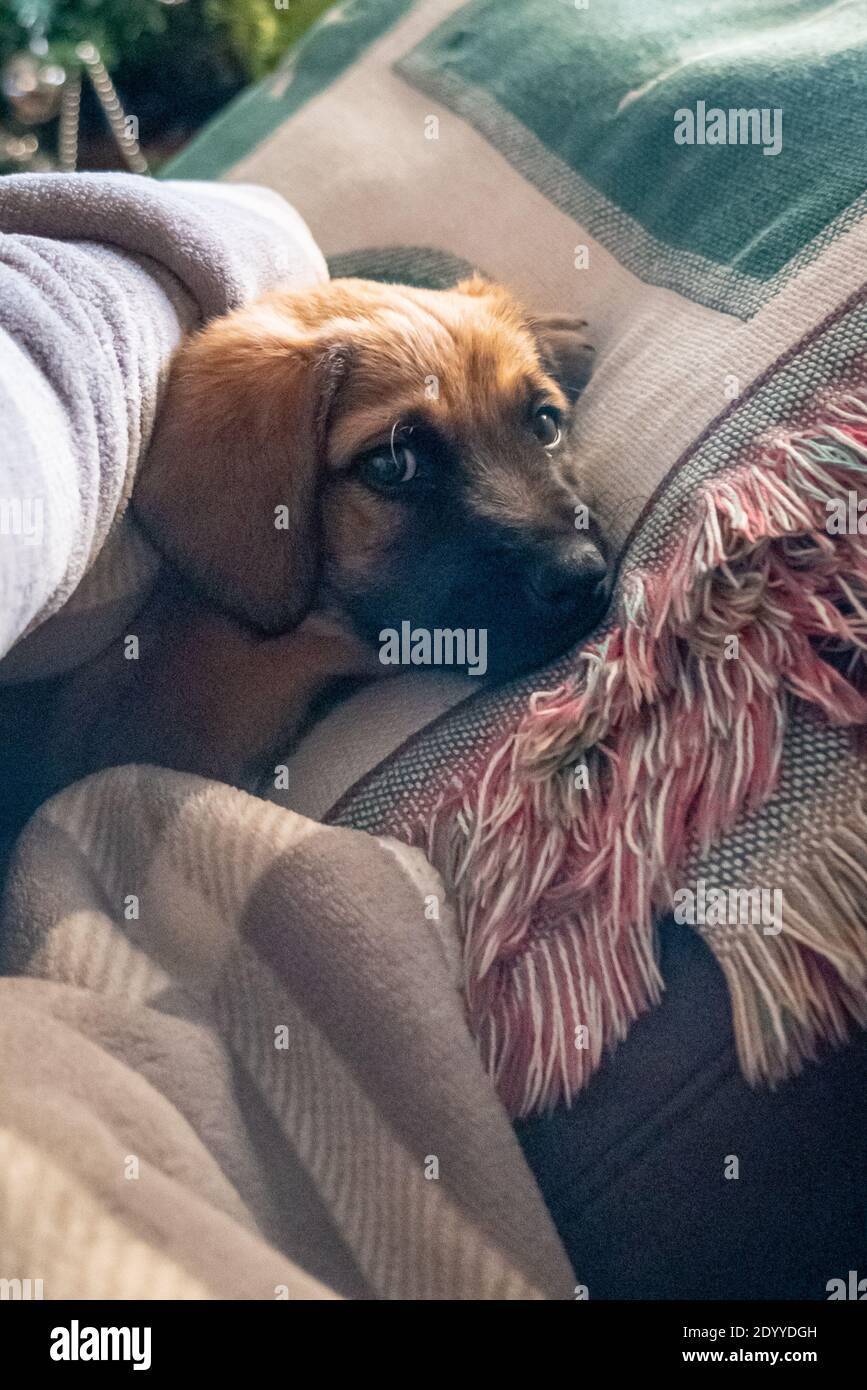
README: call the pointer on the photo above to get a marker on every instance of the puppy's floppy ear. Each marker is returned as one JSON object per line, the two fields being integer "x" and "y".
{"x": 228, "y": 490}
{"x": 565, "y": 351}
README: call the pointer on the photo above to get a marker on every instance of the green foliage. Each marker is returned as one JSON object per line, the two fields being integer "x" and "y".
{"x": 257, "y": 33}
{"x": 249, "y": 35}
{"x": 173, "y": 64}
{"x": 115, "y": 26}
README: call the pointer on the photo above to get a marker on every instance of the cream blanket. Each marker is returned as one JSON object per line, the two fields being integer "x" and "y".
{"x": 236, "y": 1063}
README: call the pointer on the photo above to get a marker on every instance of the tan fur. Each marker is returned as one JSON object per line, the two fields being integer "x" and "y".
{"x": 265, "y": 403}
{"x": 267, "y": 408}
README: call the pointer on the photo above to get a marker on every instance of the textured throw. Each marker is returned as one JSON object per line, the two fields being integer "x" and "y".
{"x": 235, "y": 1064}
{"x": 704, "y": 750}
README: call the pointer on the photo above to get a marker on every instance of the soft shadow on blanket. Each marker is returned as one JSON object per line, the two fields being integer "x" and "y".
{"x": 239, "y": 1065}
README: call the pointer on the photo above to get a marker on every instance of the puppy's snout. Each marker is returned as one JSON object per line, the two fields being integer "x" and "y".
{"x": 569, "y": 576}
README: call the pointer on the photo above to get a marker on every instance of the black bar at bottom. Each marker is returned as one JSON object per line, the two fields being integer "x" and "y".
{"x": 84, "y": 1338}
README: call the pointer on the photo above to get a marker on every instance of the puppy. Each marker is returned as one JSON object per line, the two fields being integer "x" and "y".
{"x": 326, "y": 465}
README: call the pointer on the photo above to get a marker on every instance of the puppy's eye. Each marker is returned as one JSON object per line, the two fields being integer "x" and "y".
{"x": 546, "y": 425}
{"x": 388, "y": 467}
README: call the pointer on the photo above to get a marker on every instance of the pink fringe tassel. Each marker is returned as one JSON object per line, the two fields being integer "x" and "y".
{"x": 559, "y": 885}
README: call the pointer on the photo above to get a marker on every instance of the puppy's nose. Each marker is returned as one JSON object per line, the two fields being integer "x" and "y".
{"x": 567, "y": 576}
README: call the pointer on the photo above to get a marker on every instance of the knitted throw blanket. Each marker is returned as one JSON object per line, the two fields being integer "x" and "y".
{"x": 702, "y": 753}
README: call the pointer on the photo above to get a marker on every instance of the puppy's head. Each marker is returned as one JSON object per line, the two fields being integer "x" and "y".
{"x": 386, "y": 453}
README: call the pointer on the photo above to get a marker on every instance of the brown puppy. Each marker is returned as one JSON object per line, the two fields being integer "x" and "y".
{"x": 327, "y": 465}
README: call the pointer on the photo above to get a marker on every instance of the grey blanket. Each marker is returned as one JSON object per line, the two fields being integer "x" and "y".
{"x": 100, "y": 275}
